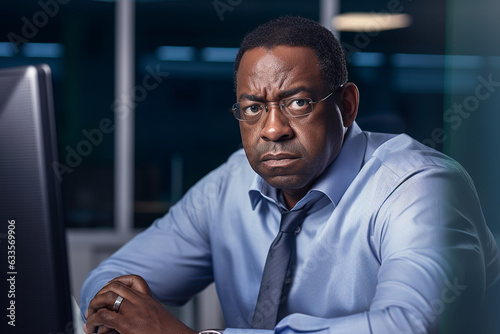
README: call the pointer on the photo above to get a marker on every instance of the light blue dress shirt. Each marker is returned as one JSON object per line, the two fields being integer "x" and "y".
{"x": 394, "y": 240}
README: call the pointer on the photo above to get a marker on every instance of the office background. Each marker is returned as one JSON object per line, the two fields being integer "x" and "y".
{"x": 437, "y": 79}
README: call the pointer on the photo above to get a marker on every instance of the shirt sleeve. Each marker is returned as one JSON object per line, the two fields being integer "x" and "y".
{"x": 437, "y": 258}
{"x": 173, "y": 255}
{"x": 431, "y": 239}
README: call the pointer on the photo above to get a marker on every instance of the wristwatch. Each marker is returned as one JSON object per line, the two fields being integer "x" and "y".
{"x": 212, "y": 331}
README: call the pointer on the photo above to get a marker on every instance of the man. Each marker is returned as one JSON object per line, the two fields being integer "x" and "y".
{"x": 390, "y": 237}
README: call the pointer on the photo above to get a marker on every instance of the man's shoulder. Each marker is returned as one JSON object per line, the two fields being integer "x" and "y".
{"x": 403, "y": 155}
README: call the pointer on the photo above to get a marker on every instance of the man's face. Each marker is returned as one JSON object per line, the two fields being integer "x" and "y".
{"x": 289, "y": 153}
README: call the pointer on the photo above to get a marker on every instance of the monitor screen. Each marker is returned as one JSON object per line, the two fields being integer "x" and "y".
{"x": 35, "y": 291}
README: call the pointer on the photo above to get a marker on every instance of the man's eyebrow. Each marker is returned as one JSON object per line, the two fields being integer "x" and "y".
{"x": 282, "y": 95}
{"x": 294, "y": 91}
{"x": 251, "y": 97}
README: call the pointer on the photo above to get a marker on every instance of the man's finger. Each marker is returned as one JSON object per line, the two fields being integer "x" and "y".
{"x": 107, "y": 299}
{"x": 97, "y": 320}
{"x": 134, "y": 282}
{"x": 101, "y": 329}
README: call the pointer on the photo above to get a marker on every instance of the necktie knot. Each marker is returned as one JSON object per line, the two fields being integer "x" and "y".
{"x": 290, "y": 220}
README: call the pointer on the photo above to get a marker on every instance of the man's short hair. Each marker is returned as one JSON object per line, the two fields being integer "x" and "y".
{"x": 302, "y": 32}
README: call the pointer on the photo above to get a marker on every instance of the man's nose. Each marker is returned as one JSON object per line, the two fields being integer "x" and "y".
{"x": 275, "y": 124}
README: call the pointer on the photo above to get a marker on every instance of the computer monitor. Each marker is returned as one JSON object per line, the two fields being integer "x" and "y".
{"x": 35, "y": 293}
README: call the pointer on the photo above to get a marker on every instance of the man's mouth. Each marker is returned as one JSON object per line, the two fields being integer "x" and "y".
{"x": 274, "y": 160}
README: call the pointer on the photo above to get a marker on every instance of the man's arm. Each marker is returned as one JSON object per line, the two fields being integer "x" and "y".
{"x": 173, "y": 255}
{"x": 436, "y": 256}
{"x": 436, "y": 259}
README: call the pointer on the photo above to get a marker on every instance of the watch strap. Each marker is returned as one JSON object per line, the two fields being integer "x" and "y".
{"x": 212, "y": 331}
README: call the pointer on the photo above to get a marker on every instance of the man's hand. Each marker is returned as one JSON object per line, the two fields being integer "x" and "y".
{"x": 138, "y": 313}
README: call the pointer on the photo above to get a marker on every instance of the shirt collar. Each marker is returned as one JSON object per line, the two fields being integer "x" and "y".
{"x": 333, "y": 182}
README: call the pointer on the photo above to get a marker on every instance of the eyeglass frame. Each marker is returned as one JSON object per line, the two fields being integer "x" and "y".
{"x": 281, "y": 105}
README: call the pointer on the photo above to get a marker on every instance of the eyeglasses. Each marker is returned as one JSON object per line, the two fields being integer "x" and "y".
{"x": 294, "y": 107}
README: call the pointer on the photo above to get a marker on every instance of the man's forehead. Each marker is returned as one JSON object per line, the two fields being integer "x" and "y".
{"x": 278, "y": 66}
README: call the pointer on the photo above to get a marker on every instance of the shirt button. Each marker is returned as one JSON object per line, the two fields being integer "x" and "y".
{"x": 297, "y": 230}
{"x": 288, "y": 280}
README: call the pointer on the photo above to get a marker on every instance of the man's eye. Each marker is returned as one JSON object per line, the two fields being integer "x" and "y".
{"x": 252, "y": 109}
{"x": 299, "y": 103}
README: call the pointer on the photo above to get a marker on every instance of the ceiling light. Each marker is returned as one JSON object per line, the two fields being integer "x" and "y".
{"x": 370, "y": 22}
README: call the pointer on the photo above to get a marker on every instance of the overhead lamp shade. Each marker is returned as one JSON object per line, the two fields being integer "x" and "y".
{"x": 370, "y": 22}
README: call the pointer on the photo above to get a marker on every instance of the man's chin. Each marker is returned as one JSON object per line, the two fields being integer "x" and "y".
{"x": 285, "y": 182}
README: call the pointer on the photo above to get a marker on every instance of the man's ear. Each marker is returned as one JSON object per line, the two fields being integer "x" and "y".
{"x": 349, "y": 100}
